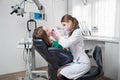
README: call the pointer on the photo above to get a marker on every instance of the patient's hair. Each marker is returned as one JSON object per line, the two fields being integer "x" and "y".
{"x": 39, "y": 33}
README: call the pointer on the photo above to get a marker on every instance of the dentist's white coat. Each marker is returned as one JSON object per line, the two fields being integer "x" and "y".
{"x": 81, "y": 63}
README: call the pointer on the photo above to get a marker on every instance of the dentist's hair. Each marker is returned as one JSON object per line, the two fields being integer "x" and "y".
{"x": 75, "y": 22}
{"x": 39, "y": 33}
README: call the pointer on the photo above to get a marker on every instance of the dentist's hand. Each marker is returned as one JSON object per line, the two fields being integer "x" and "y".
{"x": 55, "y": 34}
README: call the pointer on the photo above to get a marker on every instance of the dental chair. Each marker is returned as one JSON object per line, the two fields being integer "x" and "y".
{"x": 55, "y": 57}
{"x": 95, "y": 71}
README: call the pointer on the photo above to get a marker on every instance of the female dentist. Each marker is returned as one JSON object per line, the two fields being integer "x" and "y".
{"x": 81, "y": 63}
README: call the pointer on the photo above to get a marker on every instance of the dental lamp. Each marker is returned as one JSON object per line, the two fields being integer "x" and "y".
{"x": 19, "y": 8}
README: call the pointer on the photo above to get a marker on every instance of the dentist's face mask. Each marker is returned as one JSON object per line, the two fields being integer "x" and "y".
{"x": 66, "y": 26}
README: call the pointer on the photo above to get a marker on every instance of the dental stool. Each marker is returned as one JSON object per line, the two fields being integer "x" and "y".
{"x": 95, "y": 71}
{"x": 55, "y": 57}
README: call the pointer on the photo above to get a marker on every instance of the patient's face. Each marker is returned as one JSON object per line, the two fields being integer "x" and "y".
{"x": 48, "y": 31}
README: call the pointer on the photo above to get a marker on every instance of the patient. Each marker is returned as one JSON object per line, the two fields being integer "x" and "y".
{"x": 44, "y": 34}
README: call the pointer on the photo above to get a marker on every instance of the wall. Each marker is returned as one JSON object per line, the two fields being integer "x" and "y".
{"x": 10, "y": 32}
{"x": 59, "y": 9}
{"x": 13, "y": 29}
{"x": 70, "y": 7}
{"x": 118, "y": 30}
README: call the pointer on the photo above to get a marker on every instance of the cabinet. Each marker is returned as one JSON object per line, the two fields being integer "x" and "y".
{"x": 111, "y": 58}
{"x": 110, "y": 54}
{"x": 119, "y": 64}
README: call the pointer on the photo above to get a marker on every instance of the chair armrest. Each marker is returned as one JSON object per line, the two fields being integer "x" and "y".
{"x": 50, "y": 49}
{"x": 60, "y": 56}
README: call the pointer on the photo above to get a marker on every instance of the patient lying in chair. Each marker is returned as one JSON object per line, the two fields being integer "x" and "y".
{"x": 44, "y": 34}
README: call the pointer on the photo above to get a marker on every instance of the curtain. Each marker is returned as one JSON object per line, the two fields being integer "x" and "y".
{"x": 104, "y": 16}
{"x": 97, "y": 13}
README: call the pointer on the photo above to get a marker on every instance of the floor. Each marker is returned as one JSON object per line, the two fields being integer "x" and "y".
{"x": 15, "y": 76}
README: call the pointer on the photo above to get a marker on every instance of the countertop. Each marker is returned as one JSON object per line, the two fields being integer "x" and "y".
{"x": 102, "y": 38}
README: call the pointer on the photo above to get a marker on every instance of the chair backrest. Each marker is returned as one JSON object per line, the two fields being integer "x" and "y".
{"x": 41, "y": 48}
{"x": 97, "y": 55}
{"x": 55, "y": 56}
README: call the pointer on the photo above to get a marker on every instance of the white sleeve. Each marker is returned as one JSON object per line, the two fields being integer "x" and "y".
{"x": 73, "y": 39}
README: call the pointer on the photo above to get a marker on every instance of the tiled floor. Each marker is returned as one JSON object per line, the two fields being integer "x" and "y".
{"x": 15, "y": 76}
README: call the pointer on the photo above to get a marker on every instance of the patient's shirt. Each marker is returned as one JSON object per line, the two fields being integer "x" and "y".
{"x": 55, "y": 44}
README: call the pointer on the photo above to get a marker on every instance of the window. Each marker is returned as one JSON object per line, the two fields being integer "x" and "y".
{"x": 99, "y": 13}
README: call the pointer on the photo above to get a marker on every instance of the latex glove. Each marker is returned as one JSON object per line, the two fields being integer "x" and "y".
{"x": 55, "y": 34}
